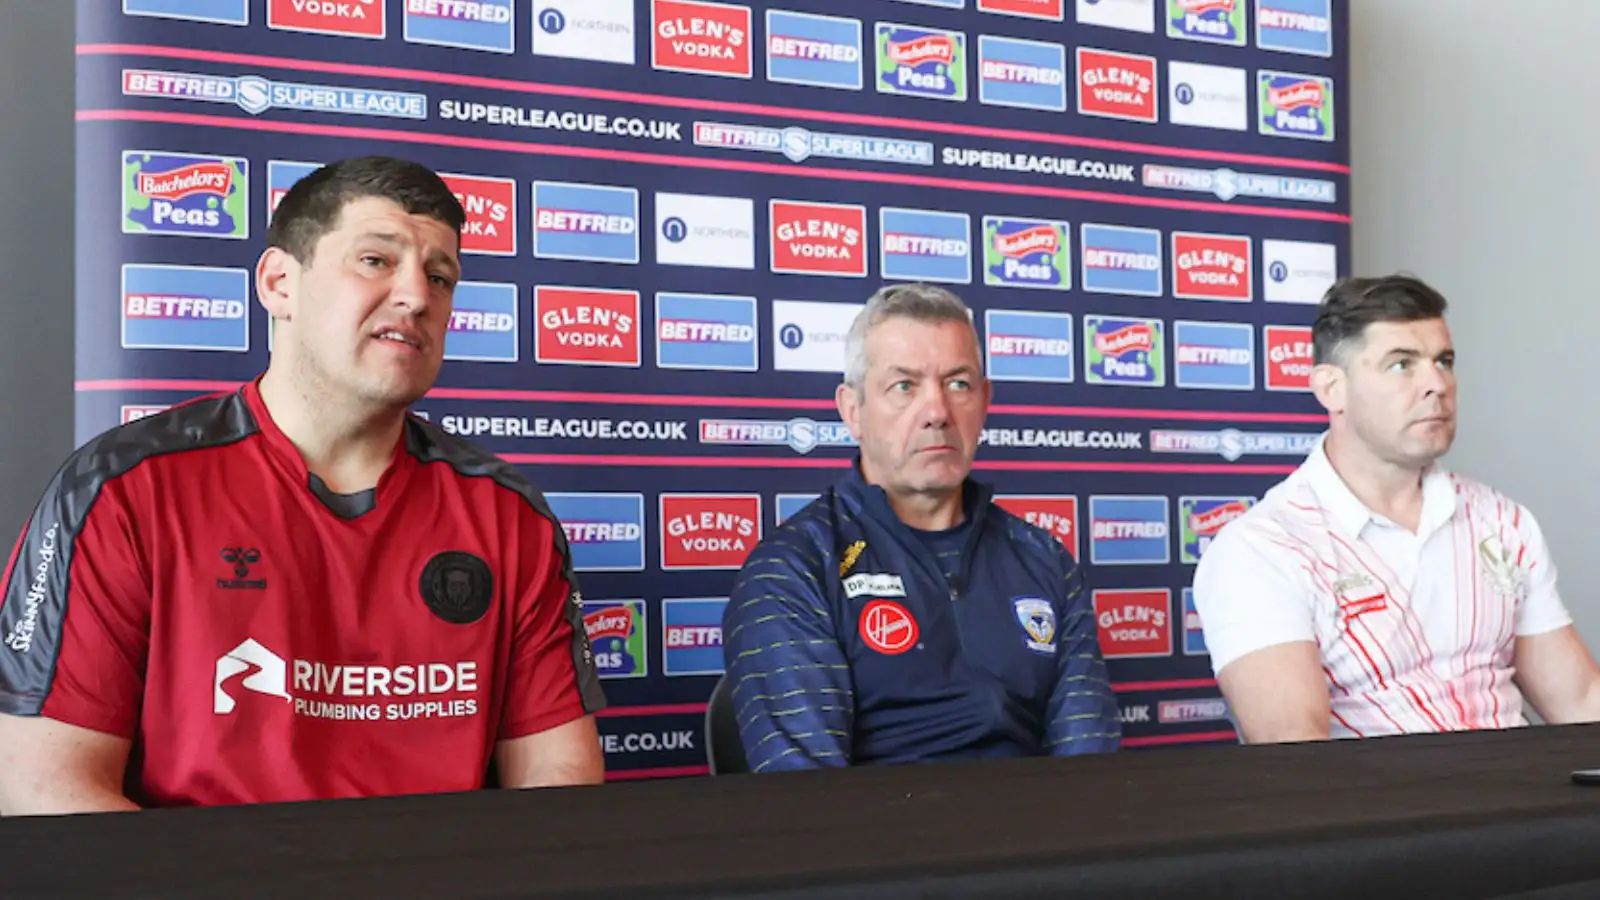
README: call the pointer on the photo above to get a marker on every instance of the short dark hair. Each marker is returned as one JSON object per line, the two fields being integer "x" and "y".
{"x": 1352, "y": 304}
{"x": 311, "y": 208}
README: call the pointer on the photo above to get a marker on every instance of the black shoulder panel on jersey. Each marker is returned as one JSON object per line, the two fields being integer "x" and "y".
{"x": 430, "y": 443}
{"x": 33, "y": 594}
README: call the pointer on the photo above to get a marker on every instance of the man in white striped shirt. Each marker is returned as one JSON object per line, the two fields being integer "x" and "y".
{"x": 1372, "y": 592}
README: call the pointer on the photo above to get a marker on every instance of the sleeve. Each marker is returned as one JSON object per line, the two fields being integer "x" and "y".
{"x": 1541, "y": 609}
{"x": 552, "y": 678}
{"x": 1083, "y": 709}
{"x": 790, "y": 678}
{"x": 1248, "y": 597}
{"x": 75, "y": 610}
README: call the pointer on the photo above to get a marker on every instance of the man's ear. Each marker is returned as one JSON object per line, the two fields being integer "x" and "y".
{"x": 849, "y": 403}
{"x": 1330, "y": 384}
{"x": 276, "y": 272}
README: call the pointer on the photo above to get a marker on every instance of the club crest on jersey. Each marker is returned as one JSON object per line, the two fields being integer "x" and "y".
{"x": 344, "y": 18}
{"x": 1026, "y": 253}
{"x": 888, "y": 627}
{"x": 1038, "y": 621}
{"x": 922, "y": 62}
{"x": 457, "y": 586}
{"x": 1501, "y": 570}
{"x": 1296, "y": 106}
{"x": 1358, "y": 595}
{"x": 700, "y": 38}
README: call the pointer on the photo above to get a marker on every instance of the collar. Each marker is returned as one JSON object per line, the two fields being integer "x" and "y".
{"x": 1350, "y": 515}
{"x": 874, "y": 500}
{"x": 283, "y": 450}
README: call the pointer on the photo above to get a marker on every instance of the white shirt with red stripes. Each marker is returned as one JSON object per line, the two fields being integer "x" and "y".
{"x": 1416, "y": 630}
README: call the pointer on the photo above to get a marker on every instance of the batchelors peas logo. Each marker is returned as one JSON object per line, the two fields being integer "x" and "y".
{"x": 1027, "y": 253}
{"x": 1296, "y": 106}
{"x": 922, "y": 62}
{"x": 1212, "y": 21}
{"x": 616, "y": 630}
{"x": 185, "y": 194}
{"x": 1124, "y": 351}
{"x": 1201, "y": 518}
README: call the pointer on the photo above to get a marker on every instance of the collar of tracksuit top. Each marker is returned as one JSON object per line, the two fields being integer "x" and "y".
{"x": 975, "y": 682}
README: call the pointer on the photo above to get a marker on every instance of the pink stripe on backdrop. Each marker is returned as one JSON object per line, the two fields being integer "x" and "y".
{"x": 355, "y": 132}
{"x": 667, "y": 772}
{"x": 1184, "y": 684}
{"x": 1197, "y": 737}
{"x": 656, "y": 709}
{"x": 784, "y": 462}
{"x": 586, "y": 93}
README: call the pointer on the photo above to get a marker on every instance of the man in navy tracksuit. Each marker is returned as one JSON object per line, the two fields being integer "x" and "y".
{"x": 902, "y": 616}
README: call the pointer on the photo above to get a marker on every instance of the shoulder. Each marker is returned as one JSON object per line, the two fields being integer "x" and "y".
{"x": 471, "y": 465}
{"x": 1024, "y": 535}
{"x": 1485, "y": 501}
{"x": 805, "y": 541}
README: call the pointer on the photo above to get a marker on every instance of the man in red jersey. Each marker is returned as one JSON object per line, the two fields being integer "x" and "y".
{"x": 295, "y": 590}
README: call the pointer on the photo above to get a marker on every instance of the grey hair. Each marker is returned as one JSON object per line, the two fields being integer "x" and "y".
{"x": 917, "y": 302}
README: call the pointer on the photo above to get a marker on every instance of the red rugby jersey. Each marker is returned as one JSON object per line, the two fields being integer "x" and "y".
{"x": 185, "y": 582}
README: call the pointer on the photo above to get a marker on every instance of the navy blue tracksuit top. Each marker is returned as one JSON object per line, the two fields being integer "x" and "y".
{"x": 852, "y": 639}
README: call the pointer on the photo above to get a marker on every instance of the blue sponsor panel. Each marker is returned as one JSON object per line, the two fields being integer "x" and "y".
{"x": 1026, "y": 74}
{"x": 706, "y": 331}
{"x": 786, "y": 505}
{"x": 185, "y": 308}
{"x": 1218, "y": 356}
{"x": 281, "y": 176}
{"x": 216, "y": 12}
{"x": 1194, "y": 635}
{"x": 484, "y": 25}
{"x": 1119, "y": 260}
{"x": 586, "y": 222}
{"x": 1029, "y": 346}
{"x": 483, "y": 323}
{"x": 1295, "y": 26}
{"x": 1128, "y": 531}
{"x": 605, "y": 531}
{"x": 691, "y": 636}
{"x": 923, "y": 245}
{"x": 820, "y": 51}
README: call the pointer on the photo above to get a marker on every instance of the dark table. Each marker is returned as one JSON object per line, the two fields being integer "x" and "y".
{"x": 1487, "y": 814}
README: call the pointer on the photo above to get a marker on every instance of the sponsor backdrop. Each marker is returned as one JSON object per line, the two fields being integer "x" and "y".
{"x": 677, "y": 207}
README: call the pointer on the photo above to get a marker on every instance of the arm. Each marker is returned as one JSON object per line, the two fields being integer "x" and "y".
{"x": 790, "y": 678}
{"x": 547, "y": 733}
{"x": 1263, "y": 647}
{"x": 1558, "y": 676}
{"x": 53, "y": 768}
{"x": 1083, "y": 710}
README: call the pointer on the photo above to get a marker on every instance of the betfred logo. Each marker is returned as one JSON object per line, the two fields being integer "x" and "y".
{"x": 1201, "y": 518}
{"x": 709, "y": 531}
{"x": 1288, "y": 357}
{"x": 1123, "y": 351}
{"x": 185, "y": 308}
{"x": 491, "y": 205}
{"x": 1052, "y": 10}
{"x": 483, "y": 323}
{"x": 281, "y": 176}
{"x": 1212, "y": 21}
{"x": 345, "y": 18}
{"x": 1117, "y": 85}
{"x": 586, "y": 326}
{"x": 1056, "y": 514}
{"x": 1295, "y": 26}
{"x": 185, "y": 194}
{"x": 1119, "y": 260}
{"x": 707, "y": 332}
{"x": 821, "y": 51}
{"x": 1194, "y": 635}
{"x": 585, "y": 222}
{"x": 1026, "y": 74}
{"x": 691, "y": 636}
{"x": 1212, "y": 267}
{"x": 923, "y": 245}
{"x": 1128, "y": 531}
{"x": 616, "y": 630}
{"x": 1134, "y": 622}
{"x": 219, "y": 12}
{"x": 1296, "y": 106}
{"x": 1216, "y": 356}
{"x": 921, "y": 62}
{"x": 483, "y": 25}
{"x": 135, "y": 413}
{"x": 605, "y": 532}
{"x": 700, "y": 38}
{"x": 818, "y": 238}
{"x": 1024, "y": 345}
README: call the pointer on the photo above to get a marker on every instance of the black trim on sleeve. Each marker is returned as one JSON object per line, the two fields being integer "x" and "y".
{"x": 429, "y": 443}
{"x": 33, "y": 594}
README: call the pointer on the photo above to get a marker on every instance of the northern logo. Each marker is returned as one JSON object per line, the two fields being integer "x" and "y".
{"x": 706, "y": 332}
{"x": 604, "y": 532}
{"x": 1050, "y": 10}
{"x": 185, "y": 308}
{"x": 691, "y": 636}
{"x": 819, "y": 51}
{"x": 216, "y": 12}
{"x": 1134, "y": 623}
{"x": 1212, "y": 267}
{"x": 598, "y": 30}
{"x": 185, "y": 194}
{"x": 1212, "y": 21}
{"x": 281, "y": 176}
{"x": 484, "y": 25}
{"x": 1295, "y": 26}
{"x": 818, "y": 238}
{"x": 1029, "y": 346}
{"x": 1118, "y": 260}
{"x": 1117, "y": 85}
{"x": 708, "y": 531}
{"x": 1026, "y": 74}
{"x": 483, "y": 323}
{"x": 491, "y": 205}
{"x": 1208, "y": 96}
{"x": 1026, "y": 253}
{"x": 1200, "y": 519}
{"x": 1055, "y": 513}
{"x": 1217, "y": 356}
{"x": 1295, "y": 106}
{"x": 923, "y": 245}
{"x": 697, "y": 230}
{"x": 345, "y": 18}
{"x": 700, "y": 38}
{"x": 808, "y": 336}
{"x": 616, "y": 630}
{"x": 1288, "y": 357}
{"x": 586, "y": 326}
{"x": 1194, "y": 635}
{"x": 921, "y": 62}
{"x": 1124, "y": 351}
{"x": 1127, "y": 531}
{"x": 1126, "y": 15}
{"x": 1297, "y": 271}
{"x": 586, "y": 222}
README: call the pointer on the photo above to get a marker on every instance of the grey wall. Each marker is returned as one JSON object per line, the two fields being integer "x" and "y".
{"x": 36, "y": 177}
{"x": 1477, "y": 167}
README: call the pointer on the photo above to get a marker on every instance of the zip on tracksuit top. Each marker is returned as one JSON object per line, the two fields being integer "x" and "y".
{"x": 852, "y": 639}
